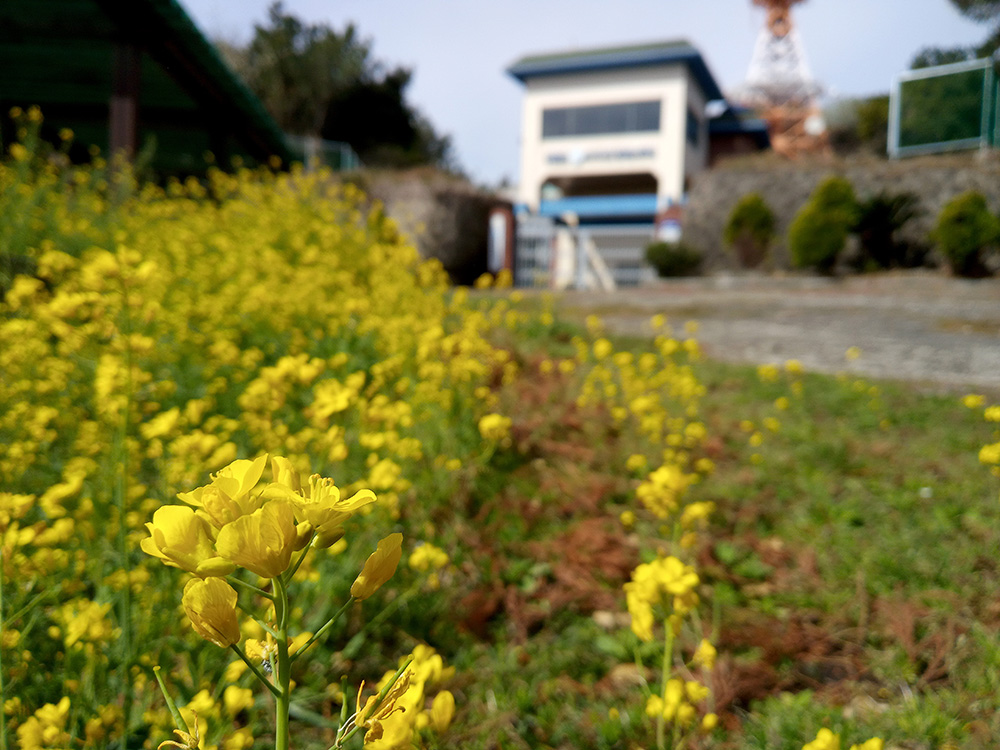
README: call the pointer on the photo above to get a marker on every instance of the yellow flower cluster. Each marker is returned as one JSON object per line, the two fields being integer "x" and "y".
{"x": 665, "y": 582}
{"x": 156, "y": 335}
{"x": 46, "y": 728}
{"x": 427, "y": 558}
{"x": 395, "y": 725}
{"x": 827, "y": 740}
{"x": 495, "y": 428}
{"x": 234, "y": 522}
{"x": 678, "y": 703}
{"x": 662, "y": 490}
{"x": 989, "y": 454}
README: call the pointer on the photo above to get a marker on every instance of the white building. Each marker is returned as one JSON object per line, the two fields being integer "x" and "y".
{"x": 615, "y": 133}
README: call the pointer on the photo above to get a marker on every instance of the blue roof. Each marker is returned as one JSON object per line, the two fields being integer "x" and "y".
{"x": 610, "y": 58}
{"x": 737, "y": 120}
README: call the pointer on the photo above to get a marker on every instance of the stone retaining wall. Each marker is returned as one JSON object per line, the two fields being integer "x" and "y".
{"x": 786, "y": 186}
{"x": 445, "y": 215}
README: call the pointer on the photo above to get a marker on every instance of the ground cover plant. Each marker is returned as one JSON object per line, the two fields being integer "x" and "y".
{"x": 460, "y": 520}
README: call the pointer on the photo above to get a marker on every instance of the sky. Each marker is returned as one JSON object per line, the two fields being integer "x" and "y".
{"x": 459, "y": 49}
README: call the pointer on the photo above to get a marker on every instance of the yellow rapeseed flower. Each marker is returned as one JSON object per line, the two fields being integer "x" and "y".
{"x": 261, "y": 542}
{"x": 664, "y": 581}
{"x": 428, "y": 557}
{"x": 210, "y": 604}
{"x": 379, "y": 567}
{"x": 495, "y": 427}
{"x": 704, "y": 655}
{"x": 973, "y": 400}
{"x": 236, "y": 699}
{"x": 371, "y": 715}
{"x": 825, "y": 740}
{"x": 181, "y": 539}
{"x": 228, "y": 496}
{"x": 319, "y": 503}
{"x": 442, "y": 710}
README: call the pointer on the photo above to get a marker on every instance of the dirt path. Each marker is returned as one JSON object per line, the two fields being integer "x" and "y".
{"x": 922, "y": 327}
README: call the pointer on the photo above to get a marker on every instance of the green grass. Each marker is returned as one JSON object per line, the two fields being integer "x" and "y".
{"x": 852, "y": 563}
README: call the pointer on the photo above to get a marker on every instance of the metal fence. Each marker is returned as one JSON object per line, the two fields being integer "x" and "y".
{"x": 313, "y": 152}
{"x": 598, "y": 255}
{"x": 944, "y": 108}
{"x": 533, "y": 251}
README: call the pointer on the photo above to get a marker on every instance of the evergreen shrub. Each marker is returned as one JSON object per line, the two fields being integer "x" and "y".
{"x": 750, "y": 230}
{"x": 820, "y": 229}
{"x": 965, "y": 230}
{"x": 671, "y": 259}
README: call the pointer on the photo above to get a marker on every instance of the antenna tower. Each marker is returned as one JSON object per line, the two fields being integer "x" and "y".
{"x": 780, "y": 87}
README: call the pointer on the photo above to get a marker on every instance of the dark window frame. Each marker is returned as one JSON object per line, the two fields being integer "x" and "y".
{"x": 602, "y": 119}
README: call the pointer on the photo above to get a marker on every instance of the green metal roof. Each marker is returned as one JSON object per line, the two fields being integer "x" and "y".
{"x": 59, "y": 55}
{"x": 608, "y": 58}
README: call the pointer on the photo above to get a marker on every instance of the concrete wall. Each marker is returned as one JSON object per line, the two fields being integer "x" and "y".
{"x": 446, "y": 216}
{"x": 786, "y": 186}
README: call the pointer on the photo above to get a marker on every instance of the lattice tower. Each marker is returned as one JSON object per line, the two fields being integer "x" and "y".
{"x": 780, "y": 87}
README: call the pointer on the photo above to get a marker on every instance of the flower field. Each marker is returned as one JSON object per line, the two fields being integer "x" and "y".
{"x": 267, "y": 480}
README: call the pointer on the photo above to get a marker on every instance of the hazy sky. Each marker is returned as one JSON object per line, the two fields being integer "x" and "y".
{"x": 459, "y": 49}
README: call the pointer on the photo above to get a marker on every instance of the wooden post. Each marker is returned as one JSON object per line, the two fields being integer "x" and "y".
{"x": 123, "y": 114}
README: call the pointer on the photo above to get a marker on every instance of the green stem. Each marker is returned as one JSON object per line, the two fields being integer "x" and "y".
{"x": 121, "y": 456}
{"x": 283, "y": 668}
{"x": 668, "y": 657}
{"x": 175, "y": 714}
{"x": 319, "y": 633}
{"x": 256, "y": 670}
{"x": 263, "y": 625}
{"x": 3, "y": 722}
{"x": 706, "y": 673}
{"x": 289, "y": 574}
{"x": 349, "y": 729}
{"x": 250, "y": 587}
{"x": 51, "y": 593}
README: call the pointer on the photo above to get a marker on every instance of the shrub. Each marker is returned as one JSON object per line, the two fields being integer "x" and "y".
{"x": 673, "y": 259}
{"x": 750, "y": 229}
{"x": 879, "y": 219}
{"x": 836, "y": 194}
{"x": 819, "y": 230}
{"x": 965, "y": 229}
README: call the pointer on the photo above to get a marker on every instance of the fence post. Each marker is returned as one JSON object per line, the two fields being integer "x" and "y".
{"x": 582, "y": 236}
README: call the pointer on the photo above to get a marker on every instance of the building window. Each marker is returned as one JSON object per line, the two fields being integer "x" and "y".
{"x": 693, "y": 128}
{"x": 631, "y": 117}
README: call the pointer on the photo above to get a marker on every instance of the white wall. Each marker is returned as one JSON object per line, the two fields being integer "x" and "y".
{"x": 670, "y": 84}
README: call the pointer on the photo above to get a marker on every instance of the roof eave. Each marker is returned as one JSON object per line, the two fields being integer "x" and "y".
{"x": 528, "y": 68}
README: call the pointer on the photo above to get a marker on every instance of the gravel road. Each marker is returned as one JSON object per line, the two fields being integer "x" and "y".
{"x": 939, "y": 332}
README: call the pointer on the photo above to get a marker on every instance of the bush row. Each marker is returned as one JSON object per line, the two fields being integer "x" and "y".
{"x": 966, "y": 234}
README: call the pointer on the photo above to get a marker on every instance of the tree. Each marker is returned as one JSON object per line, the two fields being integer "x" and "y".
{"x": 372, "y": 115}
{"x": 316, "y": 81}
{"x": 296, "y": 69}
{"x": 859, "y": 124}
{"x": 981, "y": 11}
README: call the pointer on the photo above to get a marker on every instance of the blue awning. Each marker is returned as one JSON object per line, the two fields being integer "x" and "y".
{"x": 601, "y": 206}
